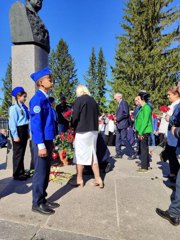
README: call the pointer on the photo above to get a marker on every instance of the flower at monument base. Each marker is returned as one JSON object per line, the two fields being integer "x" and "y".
{"x": 55, "y": 155}
{"x": 57, "y": 175}
{"x": 64, "y": 153}
{"x": 64, "y": 143}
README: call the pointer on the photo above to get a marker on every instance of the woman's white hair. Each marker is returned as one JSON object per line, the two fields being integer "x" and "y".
{"x": 82, "y": 90}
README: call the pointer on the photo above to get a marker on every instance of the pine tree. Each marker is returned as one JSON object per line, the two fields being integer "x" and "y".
{"x": 7, "y": 88}
{"x": 64, "y": 73}
{"x": 147, "y": 56}
{"x": 91, "y": 75}
{"x": 101, "y": 81}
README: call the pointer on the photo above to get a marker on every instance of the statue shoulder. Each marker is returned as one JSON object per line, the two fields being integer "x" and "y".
{"x": 19, "y": 24}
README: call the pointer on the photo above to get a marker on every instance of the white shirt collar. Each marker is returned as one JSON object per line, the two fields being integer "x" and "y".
{"x": 44, "y": 93}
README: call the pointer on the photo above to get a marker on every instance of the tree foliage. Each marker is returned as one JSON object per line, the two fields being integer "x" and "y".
{"x": 7, "y": 88}
{"x": 147, "y": 56}
{"x": 101, "y": 80}
{"x": 64, "y": 73}
{"x": 96, "y": 78}
{"x": 91, "y": 75}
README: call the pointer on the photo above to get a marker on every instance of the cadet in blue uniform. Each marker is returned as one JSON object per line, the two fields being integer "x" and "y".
{"x": 52, "y": 101}
{"x": 43, "y": 133}
{"x": 19, "y": 130}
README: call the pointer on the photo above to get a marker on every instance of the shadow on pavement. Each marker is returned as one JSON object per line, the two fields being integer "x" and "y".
{"x": 3, "y": 166}
{"x": 9, "y": 186}
{"x": 61, "y": 192}
{"x": 87, "y": 175}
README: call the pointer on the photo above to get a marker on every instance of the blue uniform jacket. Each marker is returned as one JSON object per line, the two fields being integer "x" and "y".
{"x": 175, "y": 118}
{"x": 41, "y": 118}
{"x": 17, "y": 117}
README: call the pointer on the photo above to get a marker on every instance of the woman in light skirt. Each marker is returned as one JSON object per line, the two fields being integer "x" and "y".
{"x": 85, "y": 122}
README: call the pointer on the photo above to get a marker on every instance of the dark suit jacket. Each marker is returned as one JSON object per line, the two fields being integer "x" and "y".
{"x": 85, "y": 114}
{"x": 60, "y": 108}
{"x": 122, "y": 115}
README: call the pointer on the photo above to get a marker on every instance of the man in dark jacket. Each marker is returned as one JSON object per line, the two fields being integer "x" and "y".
{"x": 63, "y": 123}
{"x": 122, "y": 123}
{"x": 173, "y": 213}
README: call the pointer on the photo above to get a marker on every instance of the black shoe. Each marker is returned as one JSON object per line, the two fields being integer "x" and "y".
{"x": 172, "y": 179}
{"x": 108, "y": 168}
{"x": 43, "y": 209}
{"x": 52, "y": 204}
{"x": 163, "y": 156}
{"x": 20, "y": 178}
{"x": 118, "y": 156}
{"x": 132, "y": 157}
{"x": 27, "y": 174}
{"x": 166, "y": 215}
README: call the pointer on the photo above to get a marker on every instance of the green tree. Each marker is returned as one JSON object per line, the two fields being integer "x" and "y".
{"x": 7, "y": 88}
{"x": 64, "y": 73}
{"x": 147, "y": 56}
{"x": 91, "y": 75}
{"x": 101, "y": 81}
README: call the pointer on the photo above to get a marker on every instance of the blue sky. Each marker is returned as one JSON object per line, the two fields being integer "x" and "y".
{"x": 83, "y": 24}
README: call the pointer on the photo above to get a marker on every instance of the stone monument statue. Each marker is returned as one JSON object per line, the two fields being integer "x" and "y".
{"x": 26, "y": 26}
{"x": 29, "y": 52}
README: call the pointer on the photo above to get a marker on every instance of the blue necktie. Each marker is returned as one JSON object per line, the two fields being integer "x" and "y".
{"x": 26, "y": 110}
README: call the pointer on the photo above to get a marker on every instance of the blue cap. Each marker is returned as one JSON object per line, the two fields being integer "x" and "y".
{"x": 39, "y": 74}
{"x": 51, "y": 99}
{"x": 17, "y": 90}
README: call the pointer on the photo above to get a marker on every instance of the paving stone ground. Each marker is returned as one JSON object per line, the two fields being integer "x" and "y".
{"x": 123, "y": 210}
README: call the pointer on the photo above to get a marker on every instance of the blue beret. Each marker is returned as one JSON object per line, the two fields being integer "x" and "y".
{"x": 17, "y": 90}
{"x": 51, "y": 99}
{"x": 39, "y": 74}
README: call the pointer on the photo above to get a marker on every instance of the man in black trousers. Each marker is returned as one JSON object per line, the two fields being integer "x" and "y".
{"x": 173, "y": 213}
{"x": 122, "y": 123}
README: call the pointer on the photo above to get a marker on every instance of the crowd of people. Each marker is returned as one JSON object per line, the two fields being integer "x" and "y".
{"x": 130, "y": 132}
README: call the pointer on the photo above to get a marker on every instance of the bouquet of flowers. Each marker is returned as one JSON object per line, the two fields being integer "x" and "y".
{"x": 68, "y": 114}
{"x": 64, "y": 143}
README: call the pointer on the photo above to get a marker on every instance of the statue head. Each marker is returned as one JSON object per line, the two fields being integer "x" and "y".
{"x": 36, "y": 4}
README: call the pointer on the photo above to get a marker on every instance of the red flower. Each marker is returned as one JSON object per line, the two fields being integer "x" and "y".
{"x": 111, "y": 117}
{"x": 154, "y": 115}
{"x": 62, "y": 137}
{"x": 67, "y": 114}
{"x": 164, "y": 109}
{"x": 64, "y": 153}
{"x": 54, "y": 155}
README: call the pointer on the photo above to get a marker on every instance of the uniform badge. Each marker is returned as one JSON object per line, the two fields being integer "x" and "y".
{"x": 36, "y": 109}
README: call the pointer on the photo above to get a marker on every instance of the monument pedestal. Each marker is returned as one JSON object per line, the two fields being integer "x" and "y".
{"x": 26, "y": 59}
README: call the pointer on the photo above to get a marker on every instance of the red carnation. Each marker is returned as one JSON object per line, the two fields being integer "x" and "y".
{"x": 154, "y": 115}
{"x": 67, "y": 114}
{"x": 64, "y": 153}
{"x": 164, "y": 109}
{"x": 62, "y": 137}
{"x": 111, "y": 117}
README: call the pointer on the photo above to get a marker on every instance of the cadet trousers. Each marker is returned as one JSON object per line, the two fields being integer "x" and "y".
{"x": 41, "y": 173}
{"x": 19, "y": 149}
